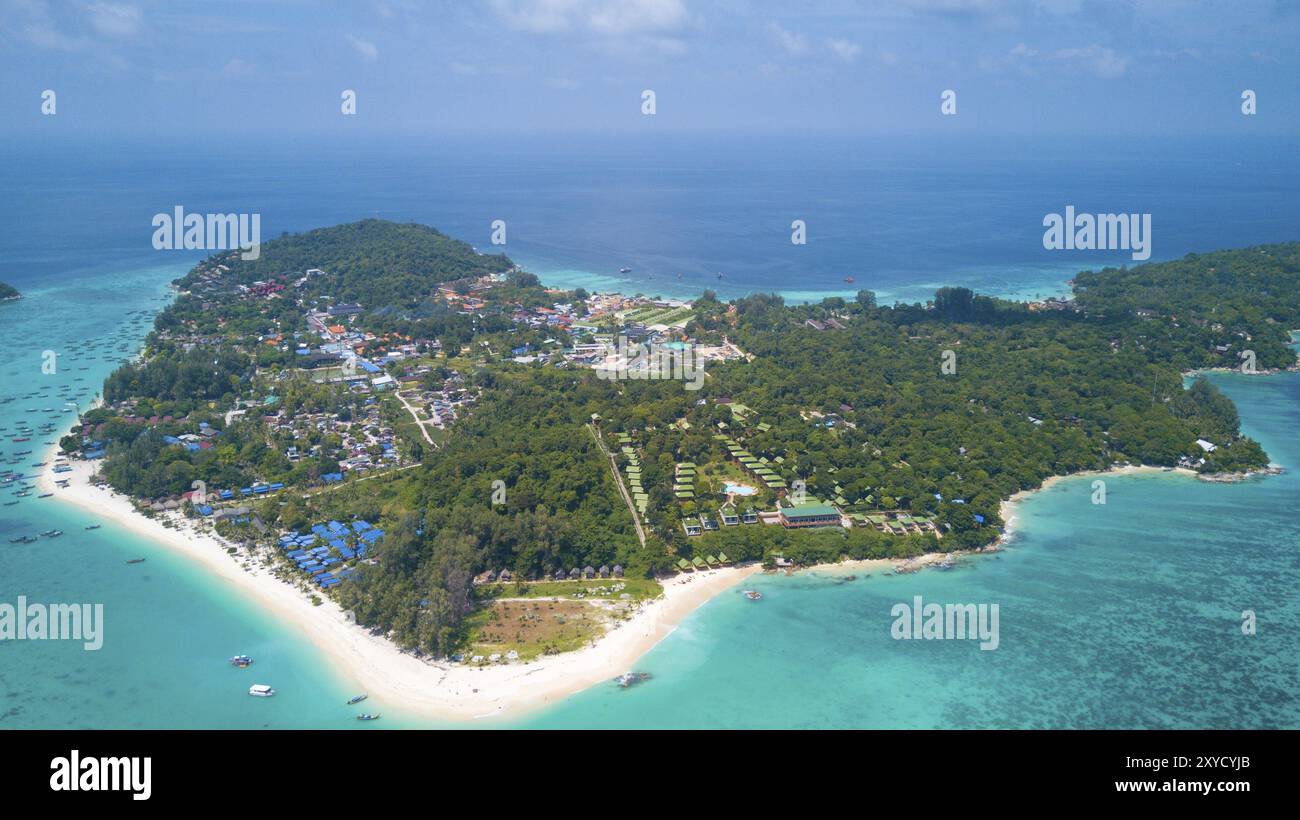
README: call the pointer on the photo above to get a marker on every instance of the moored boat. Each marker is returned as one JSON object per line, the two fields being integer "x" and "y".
{"x": 631, "y": 679}
{"x": 241, "y": 661}
{"x": 357, "y": 698}
{"x": 367, "y": 716}
{"x": 261, "y": 690}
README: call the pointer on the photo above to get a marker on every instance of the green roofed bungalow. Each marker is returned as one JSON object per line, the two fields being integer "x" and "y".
{"x": 712, "y": 561}
{"x": 683, "y": 565}
{"x": 699, "y": 563}
{"x": 763, "y": 427}
{"x": 723, "y": 559}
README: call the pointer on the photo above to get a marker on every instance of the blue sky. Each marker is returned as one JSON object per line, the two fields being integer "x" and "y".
{"x": 533, "y": 66}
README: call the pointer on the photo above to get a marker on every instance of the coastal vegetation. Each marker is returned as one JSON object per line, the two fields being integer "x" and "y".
{"x": 8, "y": 292}
{"x": 507, "y": 475}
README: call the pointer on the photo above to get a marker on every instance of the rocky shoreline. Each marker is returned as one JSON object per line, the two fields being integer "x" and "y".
{"x": 1234, "y": 478}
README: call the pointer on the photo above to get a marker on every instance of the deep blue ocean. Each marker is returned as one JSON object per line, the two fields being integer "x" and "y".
{"x": 1127, "y": 616}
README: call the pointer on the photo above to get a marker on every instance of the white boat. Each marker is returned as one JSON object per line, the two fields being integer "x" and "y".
{"x": 260, "y": 690}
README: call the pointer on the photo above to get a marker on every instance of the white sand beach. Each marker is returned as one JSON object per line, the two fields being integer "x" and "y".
{"x": 434, "y": 690}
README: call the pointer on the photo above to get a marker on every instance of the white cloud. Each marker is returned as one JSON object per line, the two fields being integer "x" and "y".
{"x": 114, "y": 19}
{"x": 1104, "y": 62}
{"x": 610, "y": 17}
{"x": 239, "y": 68}
{"x": 365, "y": 48}
{"x": 634, "y": 16}
{"x": 791, "y": 42}
{"x": 844, "y": 49}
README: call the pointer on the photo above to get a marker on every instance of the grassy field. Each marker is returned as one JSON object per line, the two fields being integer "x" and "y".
{"x": 546, "y": 618}
{"x": 534, "y": 627}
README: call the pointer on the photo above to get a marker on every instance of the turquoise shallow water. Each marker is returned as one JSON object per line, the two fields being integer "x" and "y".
{"x": 167, "y": 627}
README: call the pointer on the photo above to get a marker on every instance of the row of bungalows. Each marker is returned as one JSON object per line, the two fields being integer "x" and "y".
{"x": 897, "y": 523}
{"x": 761, "y": 468}
{"x": 586, "y": 573}
{"x": 702, "y": 563}
{"x": 684, "y": 481}
{"x": 727, "y": 514}
{"x": 254, "y": 490}
{"x": 640, "y": 497}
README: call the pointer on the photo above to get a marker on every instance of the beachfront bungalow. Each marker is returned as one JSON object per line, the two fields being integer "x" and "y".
{"x": 684, "y": 565}
{"x": 588, "y": 571}
{"x": 618, "y": 570}
{"x": 808, "y": 515}
{"x": 603, "y": 572}
{"x": 575, "y": 574}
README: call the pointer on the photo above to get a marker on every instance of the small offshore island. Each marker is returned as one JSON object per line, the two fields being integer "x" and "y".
{"x": 493, "y": 476}
{"x": 8, "y": 293}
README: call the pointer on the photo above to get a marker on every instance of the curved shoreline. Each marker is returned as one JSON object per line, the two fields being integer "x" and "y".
{"x": 412, "y": 686}
{"x": 1008, "y": 508}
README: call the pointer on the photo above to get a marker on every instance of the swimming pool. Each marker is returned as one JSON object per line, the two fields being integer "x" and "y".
{"x": 738, "y": 489}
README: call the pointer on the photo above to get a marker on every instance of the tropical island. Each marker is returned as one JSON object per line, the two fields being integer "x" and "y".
{"x": 481, "y": 468}
{"x": 8, "y": 292}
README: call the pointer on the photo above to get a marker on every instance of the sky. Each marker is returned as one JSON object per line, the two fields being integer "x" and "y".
{"x": 563, "y": 66}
